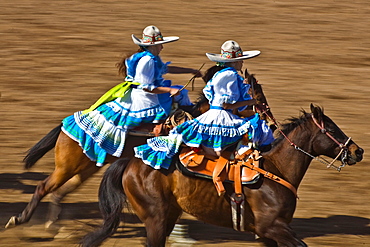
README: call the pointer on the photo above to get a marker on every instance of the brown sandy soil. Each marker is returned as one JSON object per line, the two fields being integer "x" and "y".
{"x": 57, "y": 57}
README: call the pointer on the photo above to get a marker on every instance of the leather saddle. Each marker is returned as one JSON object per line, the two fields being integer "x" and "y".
{"x": 230, "y": 167}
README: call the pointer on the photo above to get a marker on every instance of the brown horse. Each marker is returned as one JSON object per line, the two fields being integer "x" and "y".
{"x": 158, "y": 197}
{"x": 73, "y": 167}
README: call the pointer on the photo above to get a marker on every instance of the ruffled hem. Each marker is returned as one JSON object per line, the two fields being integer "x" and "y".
{"x": 155, "y": 159}
{"x": 215, "y": 122}
{"x": 126, "y": 118}
{"x": 90, "y": 148}
{"x": 101, "y": 130}
{"x": 159, "y": 151}
{"x": 195, "y": 135}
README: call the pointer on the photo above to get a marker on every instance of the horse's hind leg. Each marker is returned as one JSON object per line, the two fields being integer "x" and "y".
{"x": 69, "y": 186}
{"x": 69, "y": 161}
{"x": 52, "y": 182}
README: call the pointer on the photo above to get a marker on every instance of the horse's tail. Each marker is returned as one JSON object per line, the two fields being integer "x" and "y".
{"x": 111, "y": 202}
{"x": 42, "y": 147}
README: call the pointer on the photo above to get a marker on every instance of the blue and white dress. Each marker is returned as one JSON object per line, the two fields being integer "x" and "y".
{"x": 216, "y": 128}
{"x": 103, "y": 130}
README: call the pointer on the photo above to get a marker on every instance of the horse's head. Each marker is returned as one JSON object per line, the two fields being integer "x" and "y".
{"x": 262, "y": 106}
{"x": 331, "y": 141}
{"x": 255, "y": 88}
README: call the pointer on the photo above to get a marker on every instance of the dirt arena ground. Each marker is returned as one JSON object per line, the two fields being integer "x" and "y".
{"x": 57, "y": 57}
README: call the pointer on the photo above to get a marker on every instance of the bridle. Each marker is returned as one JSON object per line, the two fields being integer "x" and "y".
{"x": 343, "y": 152}
{"x": 343, "y": 147}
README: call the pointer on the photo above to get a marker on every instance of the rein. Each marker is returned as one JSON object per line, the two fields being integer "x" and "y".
{"x": 191, "y": 80}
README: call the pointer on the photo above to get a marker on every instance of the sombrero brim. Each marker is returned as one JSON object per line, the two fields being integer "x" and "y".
{"x": 169, "y": 39}
{"x": 246, "y": 55}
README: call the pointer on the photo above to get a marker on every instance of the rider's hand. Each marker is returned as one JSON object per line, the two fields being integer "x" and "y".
{"x": 174, "y": 92}
{"x": 253, "y": 102}
{"x": 260, "y": 108}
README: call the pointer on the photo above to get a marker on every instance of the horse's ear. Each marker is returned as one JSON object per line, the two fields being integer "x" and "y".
{"x": 317, "y": 112}
{"x": 246, "y": 73}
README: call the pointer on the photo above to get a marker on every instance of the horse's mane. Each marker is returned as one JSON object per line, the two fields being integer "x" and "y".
{"x": 290, "y": 125}
{"x": 200, "y": 100}
{"x": 210, "y": 72}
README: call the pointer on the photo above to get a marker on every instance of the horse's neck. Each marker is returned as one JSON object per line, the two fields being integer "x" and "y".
{"x": 291, "y": 163}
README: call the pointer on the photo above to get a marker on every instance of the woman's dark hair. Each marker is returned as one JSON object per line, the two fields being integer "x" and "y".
{"x": 210, "y": 73}
{"x": 121, "y": 66}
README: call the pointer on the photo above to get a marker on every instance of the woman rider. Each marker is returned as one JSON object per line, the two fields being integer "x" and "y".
{"x": 102, "y": 129}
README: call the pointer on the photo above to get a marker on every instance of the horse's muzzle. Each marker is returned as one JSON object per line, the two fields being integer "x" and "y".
{"x": 355, "y": 154}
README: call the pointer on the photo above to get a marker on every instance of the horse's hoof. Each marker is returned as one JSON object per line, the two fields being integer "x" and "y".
{"x": 12, "y": 222}
{"x": 49, "y": 223}
{"x": 180, "y": 235}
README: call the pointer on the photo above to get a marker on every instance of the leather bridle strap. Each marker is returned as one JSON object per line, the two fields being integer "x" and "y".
{"x": 323, "y": 130}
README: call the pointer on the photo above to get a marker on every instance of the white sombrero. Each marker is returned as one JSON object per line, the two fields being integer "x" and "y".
{"x": 231, "y": 52}
{"x": 152, "y": 36}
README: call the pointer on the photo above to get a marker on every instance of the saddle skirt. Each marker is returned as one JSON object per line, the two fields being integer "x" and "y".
{"x": 230, "y": 167}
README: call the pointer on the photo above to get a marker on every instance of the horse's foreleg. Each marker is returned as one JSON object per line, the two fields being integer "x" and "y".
{"x": 71, "y": 185}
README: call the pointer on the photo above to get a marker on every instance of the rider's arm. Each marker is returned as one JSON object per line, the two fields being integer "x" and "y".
{"x": 145, "y": 75}
{"x": 239, "y": 104}
{"x": 181, "y": 70}
{"x": 160, "y": 90}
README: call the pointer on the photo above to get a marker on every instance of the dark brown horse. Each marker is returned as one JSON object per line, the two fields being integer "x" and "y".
{"x": 159, "y": 197}
{"x": 73, "y": 167}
